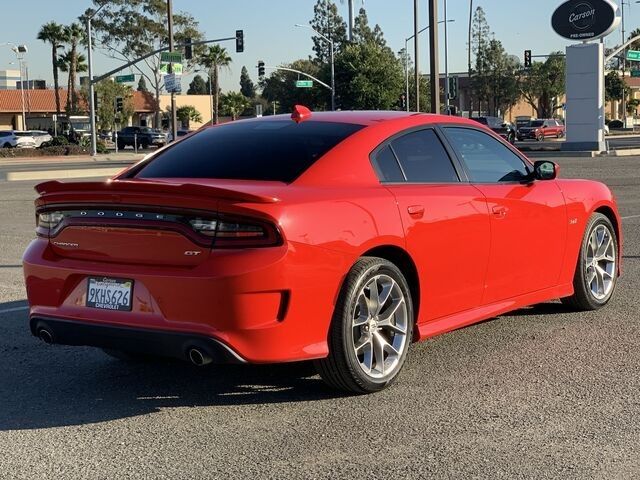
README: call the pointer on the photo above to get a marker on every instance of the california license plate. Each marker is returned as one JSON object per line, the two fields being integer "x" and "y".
{"x": 109, "y": 293}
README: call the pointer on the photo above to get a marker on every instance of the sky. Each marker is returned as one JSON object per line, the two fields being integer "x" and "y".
{"x": 270, "y": 34}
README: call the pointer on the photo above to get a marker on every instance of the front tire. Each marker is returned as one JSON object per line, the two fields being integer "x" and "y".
{"x": 371, "y": 329}
{"x": 597, "y": 269}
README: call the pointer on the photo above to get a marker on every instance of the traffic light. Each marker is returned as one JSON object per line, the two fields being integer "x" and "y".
{"x": 260, "y": 68}
{"x": 453, "y": 88}
{"x": 403, "y": 101}
{"x": 527, "y": 58}
{"x": 188, "y": 49}
{"x": 119, "y": 104}
{"x": 239, "y": 41}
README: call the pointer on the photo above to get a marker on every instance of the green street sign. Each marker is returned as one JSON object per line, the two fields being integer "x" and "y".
{"x": 177, "y": 68}
{"x": 125, "y": 78}
{"x": 635, "y": 73}
{"x": 304, "y": 83}
{"x": 633, "y": 55}
{"x": 171, "y": 57}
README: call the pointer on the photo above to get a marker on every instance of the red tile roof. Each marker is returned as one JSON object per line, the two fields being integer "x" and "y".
{"x": 44, "y": 101}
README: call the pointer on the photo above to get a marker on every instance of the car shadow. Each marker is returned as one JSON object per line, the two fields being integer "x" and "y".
{"x": 540, "y": 309}
{"x": 46, "y": 386}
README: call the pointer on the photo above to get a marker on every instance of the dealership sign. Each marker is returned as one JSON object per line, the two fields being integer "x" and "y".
{"x": 585, "y": 20}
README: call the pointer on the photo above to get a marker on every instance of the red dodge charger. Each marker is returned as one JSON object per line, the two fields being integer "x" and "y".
{"x": 334, "y": 237}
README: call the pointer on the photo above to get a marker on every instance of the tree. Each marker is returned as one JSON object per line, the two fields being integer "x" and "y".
{"x": 614, "y": 86}
{"x": 636, "y": 44}
{"x": 327, "y": 21}
{"x": 280, "y": 87}
{"x": 129, "y": 29}
{"x": 107, "y": 91}
{"x": 368, "y": 77}
{"x": 187, "y": 114}
{"x": 66, "y": 63}
{"x": 480, "y": 37}
{"x": 74, "y": 34}
{"x": 362, "y": 32}
{"x": 247, "y": 88}
{"x": 198, "y": 86}
{"x": 215, "y": 59}
{"x": 543, "y": 83}
{"x": 142, "y": 85}
{"x": 234, "y": 104}
{"x": 53, "y": 33}
{"x": 495, "y": 82}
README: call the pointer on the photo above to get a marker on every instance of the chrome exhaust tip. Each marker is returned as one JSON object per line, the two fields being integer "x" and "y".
{"x": 45, "y": 335}
{"x": 199, "y": 358}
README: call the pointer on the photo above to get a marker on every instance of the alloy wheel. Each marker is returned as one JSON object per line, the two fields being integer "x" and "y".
{"x": 380, "y": 325}
{"x": 600, "y": 262}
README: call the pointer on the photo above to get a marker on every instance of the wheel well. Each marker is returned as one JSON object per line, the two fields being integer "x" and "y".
{"x": 608, "y": 212}
{"x": 401, "y": 259}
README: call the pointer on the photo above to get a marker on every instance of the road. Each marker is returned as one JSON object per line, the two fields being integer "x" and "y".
{"x": 540, "y": 393}
{"x": 614, "y": 142}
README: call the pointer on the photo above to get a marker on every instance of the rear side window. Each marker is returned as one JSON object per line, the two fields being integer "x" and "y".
{"x": 250, "y": 150}
{"x": 387, "y": 166}
{"x": 423, "y": 158}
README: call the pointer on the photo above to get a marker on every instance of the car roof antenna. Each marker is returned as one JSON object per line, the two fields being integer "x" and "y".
{"x": 300, "y": 113}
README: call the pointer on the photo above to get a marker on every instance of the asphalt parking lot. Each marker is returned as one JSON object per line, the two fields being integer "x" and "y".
{"x": 540, "y": 393}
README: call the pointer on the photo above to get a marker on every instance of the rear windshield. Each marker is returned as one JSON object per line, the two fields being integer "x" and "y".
{"x": 249, "y": 150}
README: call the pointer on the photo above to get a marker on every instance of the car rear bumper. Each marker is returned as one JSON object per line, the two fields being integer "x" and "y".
{"x": 267, "y": 305}
{"x": 133, "y": 340}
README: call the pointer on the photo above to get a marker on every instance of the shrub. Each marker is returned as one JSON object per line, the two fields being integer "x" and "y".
{"x": 101, "y": 147}
{"x": 58, "y": 141}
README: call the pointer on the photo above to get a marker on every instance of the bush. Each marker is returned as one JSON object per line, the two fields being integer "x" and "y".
{"x": 56, "y": 151}
{"x": 58, "y": 141}
{"x": 616, "y": 124}
{"x": 101, "y": 147}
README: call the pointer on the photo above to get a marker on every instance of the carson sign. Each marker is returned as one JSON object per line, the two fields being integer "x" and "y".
{"x": 585, "y": 20}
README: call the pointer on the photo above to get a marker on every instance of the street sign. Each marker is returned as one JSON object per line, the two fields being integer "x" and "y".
{"x": 172, "y": 83}
{"x": 171, "y": 57}
{"x": 633, "y": 55}
{"x": 635, "y": 73}
{"x": 304, "y": 83}
{"x": 177, "y": 68}
{"x": 125, "y": 78}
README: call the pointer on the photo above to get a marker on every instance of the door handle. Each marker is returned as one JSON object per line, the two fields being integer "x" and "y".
{"x": 416, "y": 211}
{"x": 499, "y": 210}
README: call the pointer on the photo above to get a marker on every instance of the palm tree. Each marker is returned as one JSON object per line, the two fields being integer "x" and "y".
{"x": 74, "y": 34}
{"x": 234, "y": 104}
{"x": 215, "y": 59}
{"x": 54, "y": 34}
{"x": 65, "y": 63}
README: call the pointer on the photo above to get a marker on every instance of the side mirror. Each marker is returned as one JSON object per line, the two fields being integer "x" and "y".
{"x": 545, "y": 170}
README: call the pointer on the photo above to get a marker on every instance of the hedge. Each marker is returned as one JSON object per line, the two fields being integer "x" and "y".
{"x": 58, "y": 151}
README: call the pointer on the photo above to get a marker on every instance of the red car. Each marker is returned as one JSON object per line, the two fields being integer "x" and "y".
{"x": 541, "y": 129}
{"x": 334, "y": 237}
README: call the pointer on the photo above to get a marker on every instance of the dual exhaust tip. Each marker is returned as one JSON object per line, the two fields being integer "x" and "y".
{"x": 197, "y": 356}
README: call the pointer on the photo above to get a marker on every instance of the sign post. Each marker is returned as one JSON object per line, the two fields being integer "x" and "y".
{"x": 584, "y": 21}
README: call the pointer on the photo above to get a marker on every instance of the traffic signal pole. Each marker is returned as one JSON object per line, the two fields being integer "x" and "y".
{"x": 174, "y": 118}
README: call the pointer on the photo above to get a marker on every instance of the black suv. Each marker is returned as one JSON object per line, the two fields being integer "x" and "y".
{"x": 144, "y": 136}
{"x": 505, "y": 129}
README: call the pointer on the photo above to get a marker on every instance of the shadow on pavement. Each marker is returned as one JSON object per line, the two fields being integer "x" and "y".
{"x": 47, "y": 386}
{"x": 541, "y": 309}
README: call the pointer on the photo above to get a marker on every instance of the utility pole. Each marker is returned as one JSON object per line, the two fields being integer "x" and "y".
{"x": 624, "y": 66}
{"x": 174, "y": 118}
{"x": 446, "y": 62}
{"x": 469, "y": 58}
{"x": 92, "y": 102}
{"x": 351, "y": 20}
{"x": 415, "y": 54}
{"x": 434, "y": 60}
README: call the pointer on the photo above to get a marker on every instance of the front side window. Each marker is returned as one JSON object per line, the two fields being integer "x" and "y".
{"x": 423, "y": 158}
{"x": 486, "y": 158}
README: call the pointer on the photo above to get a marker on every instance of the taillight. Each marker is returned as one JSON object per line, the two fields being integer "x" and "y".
{"x": 232, "y": 232}
{"x": 50, "y": 220}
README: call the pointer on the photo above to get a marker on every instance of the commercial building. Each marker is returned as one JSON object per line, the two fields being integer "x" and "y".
{"x": 9, "y": 79}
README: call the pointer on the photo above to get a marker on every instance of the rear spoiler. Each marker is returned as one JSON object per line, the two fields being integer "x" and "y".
{"x": 144, "y": 186}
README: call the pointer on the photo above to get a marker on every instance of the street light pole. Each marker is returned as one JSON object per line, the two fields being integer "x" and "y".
{"x": 624, "y": 67}
{"x": 333, "y": 71}
{"x": 416, "y": 51}
{"x": 406, "y": 66}
{"x": 92, "y": 103}
{"x": 434, "y": 57}
{"x": 174, "y": 118}
{"x": 20, "y": 50}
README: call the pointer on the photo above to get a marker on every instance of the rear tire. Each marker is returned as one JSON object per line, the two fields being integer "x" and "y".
{"x": 371, "y": 328}
{"x": 6, "y": 145}
{"x": 121, "y": 145}
{"x": 597, "y": 270}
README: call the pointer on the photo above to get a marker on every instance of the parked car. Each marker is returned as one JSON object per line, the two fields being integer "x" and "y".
{"x": 505, "y": 129}
{"x": 180, "y": 133}
{"x": 39, "y": 136}
{"x": 16, "y": 139}
{"x": 337, "y": 237}
{"x": 144, "y": 136}
{"x": 541, "y": 129}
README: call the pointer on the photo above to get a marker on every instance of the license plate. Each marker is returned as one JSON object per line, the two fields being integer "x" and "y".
{"x": 109, "y": 293}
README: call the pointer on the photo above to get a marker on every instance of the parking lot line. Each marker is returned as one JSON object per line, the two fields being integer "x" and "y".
{"x": 630, "y": 216}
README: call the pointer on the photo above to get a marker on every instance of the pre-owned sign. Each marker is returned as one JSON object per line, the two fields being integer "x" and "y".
{"x": 585, "y": 20}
